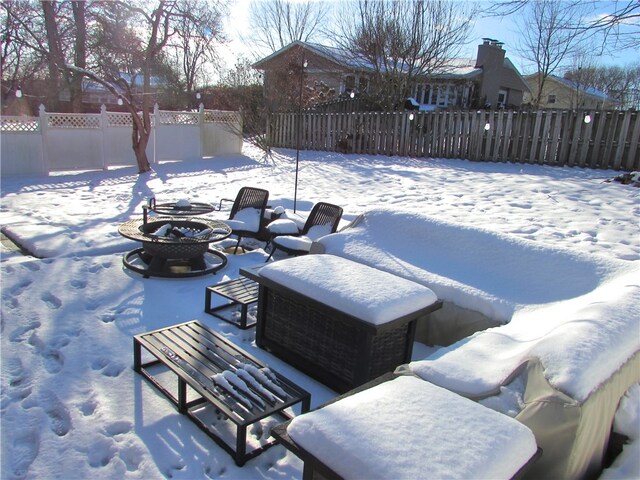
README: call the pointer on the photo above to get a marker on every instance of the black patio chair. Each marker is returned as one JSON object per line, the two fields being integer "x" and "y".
{"x": 247, "y": 213}
{"x": 323, "y": 220}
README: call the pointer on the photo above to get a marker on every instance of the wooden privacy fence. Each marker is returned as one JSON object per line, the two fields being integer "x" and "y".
{"x": 607, "y": 139}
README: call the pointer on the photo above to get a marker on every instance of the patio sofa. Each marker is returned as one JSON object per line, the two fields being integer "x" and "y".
{"x": 557, "y": 327}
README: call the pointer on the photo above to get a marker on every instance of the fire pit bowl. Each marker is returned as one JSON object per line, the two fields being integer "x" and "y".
{"x": 174, "y": 247}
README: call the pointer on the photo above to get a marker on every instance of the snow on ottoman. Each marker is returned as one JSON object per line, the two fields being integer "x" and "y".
{"x": 339, "y": 321}
{"x": 408, "y": 428}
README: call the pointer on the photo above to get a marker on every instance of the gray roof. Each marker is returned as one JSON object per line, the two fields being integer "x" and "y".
{"x": 458, "y": 68}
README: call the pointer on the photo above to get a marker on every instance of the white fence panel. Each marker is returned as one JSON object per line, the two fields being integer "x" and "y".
{"x": 55, "y": 141}
{"x": 177, "y": 135}
{"x": 74, "y": 141}
{"x": 222, "y": 133}
{"x": 21, "y": 153}
{"x": 118, "y": 149}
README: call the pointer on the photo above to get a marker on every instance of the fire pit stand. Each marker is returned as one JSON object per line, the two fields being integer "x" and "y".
{"x": 170, "y": 256}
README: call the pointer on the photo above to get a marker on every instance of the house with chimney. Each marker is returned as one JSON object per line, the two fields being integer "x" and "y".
{"x": 490, "y": 80}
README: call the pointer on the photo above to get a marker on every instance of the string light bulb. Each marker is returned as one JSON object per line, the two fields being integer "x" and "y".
{"x": 587, "y": 118}
{"x": 18, "y": 92}
{"x": 411, "y": 116}
{"x": 487, "y": 126}
{"x": 120, "y": 101}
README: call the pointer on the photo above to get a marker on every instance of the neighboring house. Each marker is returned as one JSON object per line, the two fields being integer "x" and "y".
{"x": 491, "y": 79}
{"x": 562, "y": 93}
{"x": 95, "y": 93}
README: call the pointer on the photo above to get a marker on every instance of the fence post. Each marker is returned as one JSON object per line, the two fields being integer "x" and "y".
{"x": 155, "y": 122}
{"x": 104, "y": 123}
{"x": 201, "y": 125}
{"x": 44, "y": 128}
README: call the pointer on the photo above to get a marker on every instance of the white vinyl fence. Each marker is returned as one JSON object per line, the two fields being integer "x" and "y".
{"x": 77, "y": 141}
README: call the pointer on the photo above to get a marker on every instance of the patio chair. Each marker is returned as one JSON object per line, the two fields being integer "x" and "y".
{"x": 247, "y": 213}
{"x": 322, "y": 220}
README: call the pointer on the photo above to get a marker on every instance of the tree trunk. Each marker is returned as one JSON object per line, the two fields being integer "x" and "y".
{"x": 80, "y": 55}
{"x": 55, "y": 57}
{"x": 140, "y": 139}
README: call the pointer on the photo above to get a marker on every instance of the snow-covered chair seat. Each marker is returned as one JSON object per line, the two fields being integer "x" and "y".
{"x": 406, "y": 428}
{"x": 247, "y": 217}
{"x": 285, "y": 235}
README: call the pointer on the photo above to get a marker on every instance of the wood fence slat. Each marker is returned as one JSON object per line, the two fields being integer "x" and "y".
{"x": 535, "y": 137}
{"x": 633, "y": 155}
{"x": 552, "y": 157}
{"x": 586, "y": 143}
{"x": 517, "y": 137}
{"x": 608, "y": 144}
{"x": 622, "y": 142}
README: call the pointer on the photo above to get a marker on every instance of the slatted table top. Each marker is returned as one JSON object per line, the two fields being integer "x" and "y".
{"x": 237, "y": 383}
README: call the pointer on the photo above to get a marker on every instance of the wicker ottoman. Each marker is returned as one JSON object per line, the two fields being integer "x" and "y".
{"x": 340, "y": 322}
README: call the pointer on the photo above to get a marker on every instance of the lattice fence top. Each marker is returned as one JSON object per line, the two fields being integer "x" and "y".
{"x": 218, "y": 116}
{"x": 179, "y": 118}
{"x": 20, "y": 124}
{"x": 73, "y": 120}
{"x": 117, "y": 119}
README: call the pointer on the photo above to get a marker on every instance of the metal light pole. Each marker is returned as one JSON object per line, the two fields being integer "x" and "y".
{"x": 295, "y": 193}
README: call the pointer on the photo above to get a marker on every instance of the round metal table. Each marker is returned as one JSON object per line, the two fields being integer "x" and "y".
{"x": 173, "y": 209}
{"x": 171, "y": 256}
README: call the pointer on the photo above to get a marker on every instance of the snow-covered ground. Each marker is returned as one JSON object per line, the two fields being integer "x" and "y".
{"x": 71, "y": 405}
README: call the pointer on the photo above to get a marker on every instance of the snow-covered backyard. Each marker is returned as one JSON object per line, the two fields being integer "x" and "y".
{"x": 71, "y": 405}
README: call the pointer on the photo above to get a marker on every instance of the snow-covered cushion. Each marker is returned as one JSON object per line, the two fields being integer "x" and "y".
{"x": 247, "y": 220}
{"x": 283, "y": 226}
{"x": 364, "y": 292}
{"x": 420, "y": 430}
{"x": 300, "y": 243}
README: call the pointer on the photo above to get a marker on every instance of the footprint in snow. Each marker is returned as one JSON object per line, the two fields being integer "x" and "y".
{"x": 17, "y": 290}
{"x": 33, "y": 266}
{"x": 88, "y": 407}
{"x": 58, "y": 413}
{"x": 108, "y": 318}
{"x": 51, "y": 300}
{"x": 108, "y": 368}
{"x": 132, "y": 457}
{"x": 101, "y": 452}
{"x": 18, "y": 334}
{"x": 53, "y": 358}
{"x": 19, "y": 386}
{"x": 78, "y": 284}
{"x": 23, "y": 451}
{"x": 12, "y": 303}
{"x": 118, "y": 428}
{"x": 92, "y": 305}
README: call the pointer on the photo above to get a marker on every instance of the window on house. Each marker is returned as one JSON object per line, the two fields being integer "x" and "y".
{"x": 363, "y": 84}
{"x": 349, "y": 83}
{"x": 502, "y": 98}
{"x": 551, "y": 98}
{"x": 417, "y": 93}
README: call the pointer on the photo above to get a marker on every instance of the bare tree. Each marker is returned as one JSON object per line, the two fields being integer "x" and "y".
{"x": 619, "y": 83}
{"x": 18, "y": 62}
{"x": 619, "y": 28}
{"x": 198, "y": 33}
{"x": 277, "y": 23}
{"x": 400, "y": 41}
{"x": 547, "y": 39}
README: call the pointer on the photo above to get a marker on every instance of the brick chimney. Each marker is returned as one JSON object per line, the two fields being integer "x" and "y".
{"x": 491, "y": 59}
